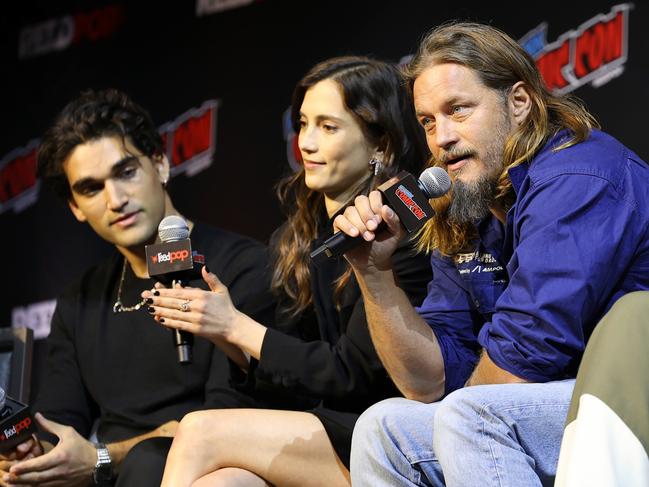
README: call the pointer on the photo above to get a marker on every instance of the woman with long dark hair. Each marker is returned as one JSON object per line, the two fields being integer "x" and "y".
{"x": 356, "y": 128}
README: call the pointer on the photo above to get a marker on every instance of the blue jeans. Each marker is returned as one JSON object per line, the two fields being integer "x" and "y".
{"x": 504, "y": 435}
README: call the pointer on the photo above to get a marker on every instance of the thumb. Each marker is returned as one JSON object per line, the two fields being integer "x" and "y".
{"x": 212, "y": 281}
{"x": 391, "y": 220}
{"x": 48, "y": 425}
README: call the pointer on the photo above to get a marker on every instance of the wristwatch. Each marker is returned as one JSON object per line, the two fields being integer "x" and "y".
{"x": 104, "y": 468}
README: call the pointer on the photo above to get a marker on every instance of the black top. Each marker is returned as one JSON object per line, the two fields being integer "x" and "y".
{"x": 122, "y": 368}
{"x": 325, "y": 356}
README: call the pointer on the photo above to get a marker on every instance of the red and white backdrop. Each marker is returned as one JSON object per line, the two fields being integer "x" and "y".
{"x": 217, "y": 77}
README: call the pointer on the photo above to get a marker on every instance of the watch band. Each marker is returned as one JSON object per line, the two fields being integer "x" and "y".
{"x": 103, "y": 468}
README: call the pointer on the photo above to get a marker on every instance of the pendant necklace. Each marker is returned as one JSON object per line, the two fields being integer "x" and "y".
{"x": 118, "y": 307}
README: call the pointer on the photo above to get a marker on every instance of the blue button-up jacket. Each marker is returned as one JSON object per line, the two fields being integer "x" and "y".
{"x": 531, "y": 292}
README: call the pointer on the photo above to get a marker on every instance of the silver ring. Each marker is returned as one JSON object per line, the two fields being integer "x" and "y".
{"x": 184, "y": 306}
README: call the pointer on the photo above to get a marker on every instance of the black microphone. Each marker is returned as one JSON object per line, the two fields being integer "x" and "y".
{"x": 173, "y": 262}
{"x": 406, "y": 196}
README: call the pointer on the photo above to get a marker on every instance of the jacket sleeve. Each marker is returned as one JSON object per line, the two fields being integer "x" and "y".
{"x": 449, "y": 312}
{"x": 567, "y": 261}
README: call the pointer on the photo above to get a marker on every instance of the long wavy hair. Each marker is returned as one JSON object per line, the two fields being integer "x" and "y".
{"x": 374, "y": 93}
{"x": 499, "y": 62}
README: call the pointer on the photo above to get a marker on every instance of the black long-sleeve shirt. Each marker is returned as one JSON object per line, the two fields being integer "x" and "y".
{"x": 122, "y": 368}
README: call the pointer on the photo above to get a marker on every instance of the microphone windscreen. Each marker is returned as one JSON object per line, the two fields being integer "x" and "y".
{"x": 435, "y": 182}
{"x": 173, "y": 228}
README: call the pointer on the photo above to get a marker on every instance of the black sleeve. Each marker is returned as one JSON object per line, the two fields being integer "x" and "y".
{"x": 244, "y": 269}
{"x": 62, "y": 396}
{"x": 242, "y": 264}
{"x": 219, "y": 394}
{"x": 348, "y": 367}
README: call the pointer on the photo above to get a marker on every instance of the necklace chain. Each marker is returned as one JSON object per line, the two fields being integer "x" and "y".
{"x": 118, "y": 307}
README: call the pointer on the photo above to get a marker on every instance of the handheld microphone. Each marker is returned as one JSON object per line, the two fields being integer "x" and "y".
{"x": 407, "y": 197}
{"x": 16, "y": 423}
{"x": 172, "y": 262}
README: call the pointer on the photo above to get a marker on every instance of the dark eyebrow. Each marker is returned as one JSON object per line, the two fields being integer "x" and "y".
{"x": 324, "y": 116}
{"x": 84, "y": 183}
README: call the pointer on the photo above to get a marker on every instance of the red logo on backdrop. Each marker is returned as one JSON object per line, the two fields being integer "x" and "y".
{"x": 189, "y": 143}
{"x": 60, "y": 33}
{"x": 18, "y": 184}
{"x": 290, "y": 137}
{"x": 595, "y": 52}
{"x": 190, "y": 139}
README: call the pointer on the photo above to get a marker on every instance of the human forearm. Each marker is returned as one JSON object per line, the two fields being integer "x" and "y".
{"x": 119, "y": 449}
{"x": 247, "y": 335}
{"x": 210, "y": 314}
{"x": 406, "y": 345}
{"x": 487, "y": 372}
{"x": 233, "y": 352}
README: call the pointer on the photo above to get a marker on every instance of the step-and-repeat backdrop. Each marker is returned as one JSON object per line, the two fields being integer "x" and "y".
{"x": 217, "y": 77}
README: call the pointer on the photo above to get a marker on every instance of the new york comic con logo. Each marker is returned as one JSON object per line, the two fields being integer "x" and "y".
{"x": 406, "y": 196}
{"x": 595, "y": 52}
{"x": 189, "y": 141}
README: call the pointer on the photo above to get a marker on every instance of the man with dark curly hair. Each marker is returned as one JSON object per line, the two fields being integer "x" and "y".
{"x": 109, "y": 365}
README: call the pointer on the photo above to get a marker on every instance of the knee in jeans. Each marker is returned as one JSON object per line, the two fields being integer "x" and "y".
{"x": 370, "y": 422}
{"x": 376, "y": 420}
{"x": 462, "y": 407}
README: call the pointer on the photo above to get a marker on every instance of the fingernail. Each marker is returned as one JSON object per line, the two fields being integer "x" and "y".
{"x": 150, "y": 309}
{"x": 354, "y": 231}
{"x": 156, "y": 293}
{"x": 390, "y": 212}
{"x": 162, "y": 320}
{"x": 367, "y": 236}
{"x": 149, "y": 301}
{"x": 207, "y": 269}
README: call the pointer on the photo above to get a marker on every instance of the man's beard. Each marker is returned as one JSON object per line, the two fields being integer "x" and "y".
{"x": 471, "y": 202}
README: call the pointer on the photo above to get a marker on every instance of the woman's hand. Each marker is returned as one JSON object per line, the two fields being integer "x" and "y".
{"x": 210, "y": 314}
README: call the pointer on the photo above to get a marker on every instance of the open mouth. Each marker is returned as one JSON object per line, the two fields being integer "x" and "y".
{"x": 456, "y": 163}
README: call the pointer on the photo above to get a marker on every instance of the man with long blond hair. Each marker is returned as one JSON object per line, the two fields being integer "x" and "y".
{"x": 547, "y": 225}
